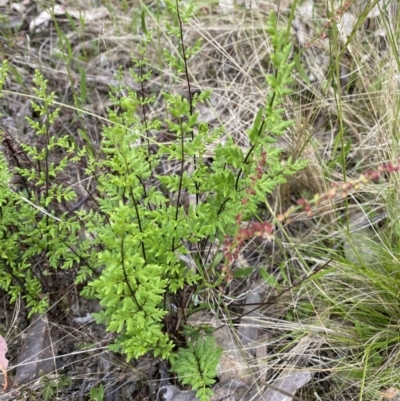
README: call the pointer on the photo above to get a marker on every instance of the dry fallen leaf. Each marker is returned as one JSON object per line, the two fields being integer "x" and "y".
{"x": 172, "y": 393}
{"x": 346, "y": 25}
{"x": 226, "y": 6}
{"x": 250, "y": 322}
{"x": 46, "y": 16}
{"x": 37, "y": 351}
{"x": 88, "y": 15}
{"x": 302, "y": 22}
{"x": 18, "y": 7}
{"x": 287, "y": 383}
{"x": 390, "y": 394}
{"x": 4, "y": 360}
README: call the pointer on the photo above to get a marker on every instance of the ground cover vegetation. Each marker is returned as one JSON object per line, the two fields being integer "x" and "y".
{"x": 200, "y": 197}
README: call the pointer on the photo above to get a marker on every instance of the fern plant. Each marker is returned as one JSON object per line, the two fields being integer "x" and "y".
{"x": 131, "y": 251}
{"x": 147, "y": 225}
{"x": 197, "y": 364}
{"x": 37, "y": 237}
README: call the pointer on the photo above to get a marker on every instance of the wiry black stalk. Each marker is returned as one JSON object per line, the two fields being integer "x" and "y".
{"x": 135, "y": 203}
{"x": 47, "y": 126}
{"x": 145, "y": 120}
{"x": 126, "y": 275}
{"x": 190, "y": 94}
{"x": 17, "y": 279}
{"x": 178, "y": 201}
{"x": 185, "y": 61}
{"x": 253, "y": 146}
{"x": 8, "y": 139}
